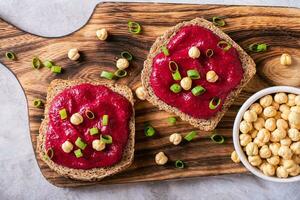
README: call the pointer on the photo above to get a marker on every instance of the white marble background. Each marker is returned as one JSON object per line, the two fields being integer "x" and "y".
{"x": 20, "y": 177}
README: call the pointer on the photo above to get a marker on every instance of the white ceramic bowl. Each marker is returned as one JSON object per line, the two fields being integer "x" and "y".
{"x": 236, "y": 132}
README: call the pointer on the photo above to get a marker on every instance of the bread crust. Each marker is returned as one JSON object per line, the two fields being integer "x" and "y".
{"x": 203, "y": 124}
{"x": 57, "y": 86}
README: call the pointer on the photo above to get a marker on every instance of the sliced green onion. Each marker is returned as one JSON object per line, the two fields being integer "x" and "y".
{"x": 126, "y": 55}
{"x": 63, "y": 113}
{"x": 78, "y": 153}
{"x": 80, "y": 144}
{"x": 134, "y": 27}
{"x": 176, "y": 76}
{"x": 224, "y": 45}
{"x": 214, "y": 103}
{"x": 89, "y": 114}
{"x": 107, "y": 75}
{"x": 173, "y": 66}
{"x": 258, "y": 47}
{"x": 37, "y": 103}
{"x": 217, "y": 138}
{"x": 176, "y": 88}
{"x": 193, "y": 74}
{"x": 36, "y": 63}
{"x": 191, "y": 135}
{"x": 49, "y": 154}
{"x": 165, "y": 50}
{"x": 107, "y": 139}
{"x": 105, "y": 120}
{"x": 10, "y": 55}
{"x": 120, "y": 73}
{"x": 56, "y": 69}
{"x": 209, "y": 53}
{"x": 179, "y": 164}
{"x": 172, "y": 120}
{"x": 149, "y": 130}
{"x": 218, "y": 21}
{"x": 198, "y": 90}
{"x": 94, "y": 131}
{"x": 48, "y": 64}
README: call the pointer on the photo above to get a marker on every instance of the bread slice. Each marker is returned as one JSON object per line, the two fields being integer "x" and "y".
{"x": 203, "y": 124}
{"x": 57, "y": 86}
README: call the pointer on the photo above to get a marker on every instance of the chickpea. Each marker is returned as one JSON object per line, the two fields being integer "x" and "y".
{"x": 161, "y": 158}
{"x": 122, "y": 63}
{"x": 258, "y": 142}
{"x": 278, "y": 115}
{"x": 252, "y": 149}
{"x": 274, "y": 147}
{"x": 284, "y": 107}
{"x": 286, "y": 141}
{"x": 270, "y": 111}
{"x": 289, "y": 165}
{"x": 269, "y": 169}
{"x": 294, "y": 134}
{"x": 285, "y": 59}
{"x": 294, "y": 118}
{"x": 285, "y": 152}
{"x": 266, "y": 101}
{"x": 254, "y": 160}
{"x": 263, "y": 135}
{"x": 295, "y": 147}
{"x": 175, "y": 138}
{"x": 281, "y": 98}
{"x": 250, "y": 116}
{"x": 76, "y": 119}
{"x": 194, "y": 52}
{"x": 102, "y": 34}
{"x": 253, "y": 133}
{"x": 265, "y": 152}
{"x": 245, "y": 139}
{"x": 262, "y": 165}
{"x": 245, "y": 127}
{"x": 296, "y": 159}
{"x": 282, "y": 124}
{"x": 297, "y": 100}
{"x": 285, "y": 114}
{"x": 234, "y": 157}
{"x": 73, "y": 54}
{"x": 274, "y": 160}
{"x": 256, "y": 107}
{"x": 295, "y": 126}
{"x": 67, "y": 146}
{"x": 186, "y": 83}
{"x": 259, "y": 123}
{"x": 291, "y": 100}
{"x": 141, "y": 93}
{"x": 296, "y": 171}
{"x": 281, "y": 172}
{"x": 277, "y": 135}
{"x": 270, "y": 124}
{"x": 98, "y": 145}
{"x": 295, "y": 109}
{"x": 211, "y": 76}
{"x": 275, "y": 105}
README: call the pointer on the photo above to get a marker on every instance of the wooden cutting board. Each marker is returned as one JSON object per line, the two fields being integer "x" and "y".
{"x": 276, "y": 26}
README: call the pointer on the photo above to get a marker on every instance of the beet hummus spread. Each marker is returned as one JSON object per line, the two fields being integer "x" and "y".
{"x": 225, "y": 62}
{"x": 101, "y": 101}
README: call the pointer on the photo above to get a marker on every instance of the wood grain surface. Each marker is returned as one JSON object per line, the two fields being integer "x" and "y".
{"x": 278, "y": 27}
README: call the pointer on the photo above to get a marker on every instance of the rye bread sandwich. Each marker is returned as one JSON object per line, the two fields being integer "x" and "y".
{"x": 195, "y": 71}
{"x": 88, "y": 131}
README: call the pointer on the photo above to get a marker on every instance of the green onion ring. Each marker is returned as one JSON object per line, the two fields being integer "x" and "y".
{"x": 214, "y": 103}
{"x": 126, "y": 55}
{"x": 56, "y": 69}
{"x": 48, "y": 64}
{"x": 10, "y": 55}
{"x": 63, "y": 114}
{"x": 94, "y": 131}
{"x": 107, "y": 75}
{"x": 176, "y": 88}
{"x": 193, "y": 74}
{"x": 104, "y": 120}
{"x": 49, "y": 153}
{"x": 258, "y": 47}
{"x": 120, "y": 73}
{"x": 219, "y": 139}
{"x": 107, "y": 139}
{"x": 38, "y": 103}
{"x": 173, "y": 66}
{"x": 172, "y": 120}
{"x": 78, "y": 153}
{"x": 89, "y": 114}
{"x": 165, "y": 50}
{"x": 36, "y": 63}
{"x": 134, "y": 27}
{"x": 80, "y": 143}
{"x": 218, "y": 21}
{"x": 224, "y": 45}
{"x": 191, "y": 135}
{"x": 149, "y": 130}
{"x": 198, "y": 90}
{"x": 176, "y": 76}
{"x": 179, "y": 164}
{"x": 209, "y": 53}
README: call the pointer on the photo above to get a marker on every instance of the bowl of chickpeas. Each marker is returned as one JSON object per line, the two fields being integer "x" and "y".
{"x": 266, "y": 134}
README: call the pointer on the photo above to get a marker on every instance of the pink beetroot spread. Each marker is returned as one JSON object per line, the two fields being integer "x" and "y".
{"x": 226, "y": 64}
{"x": 101, "y": 101}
